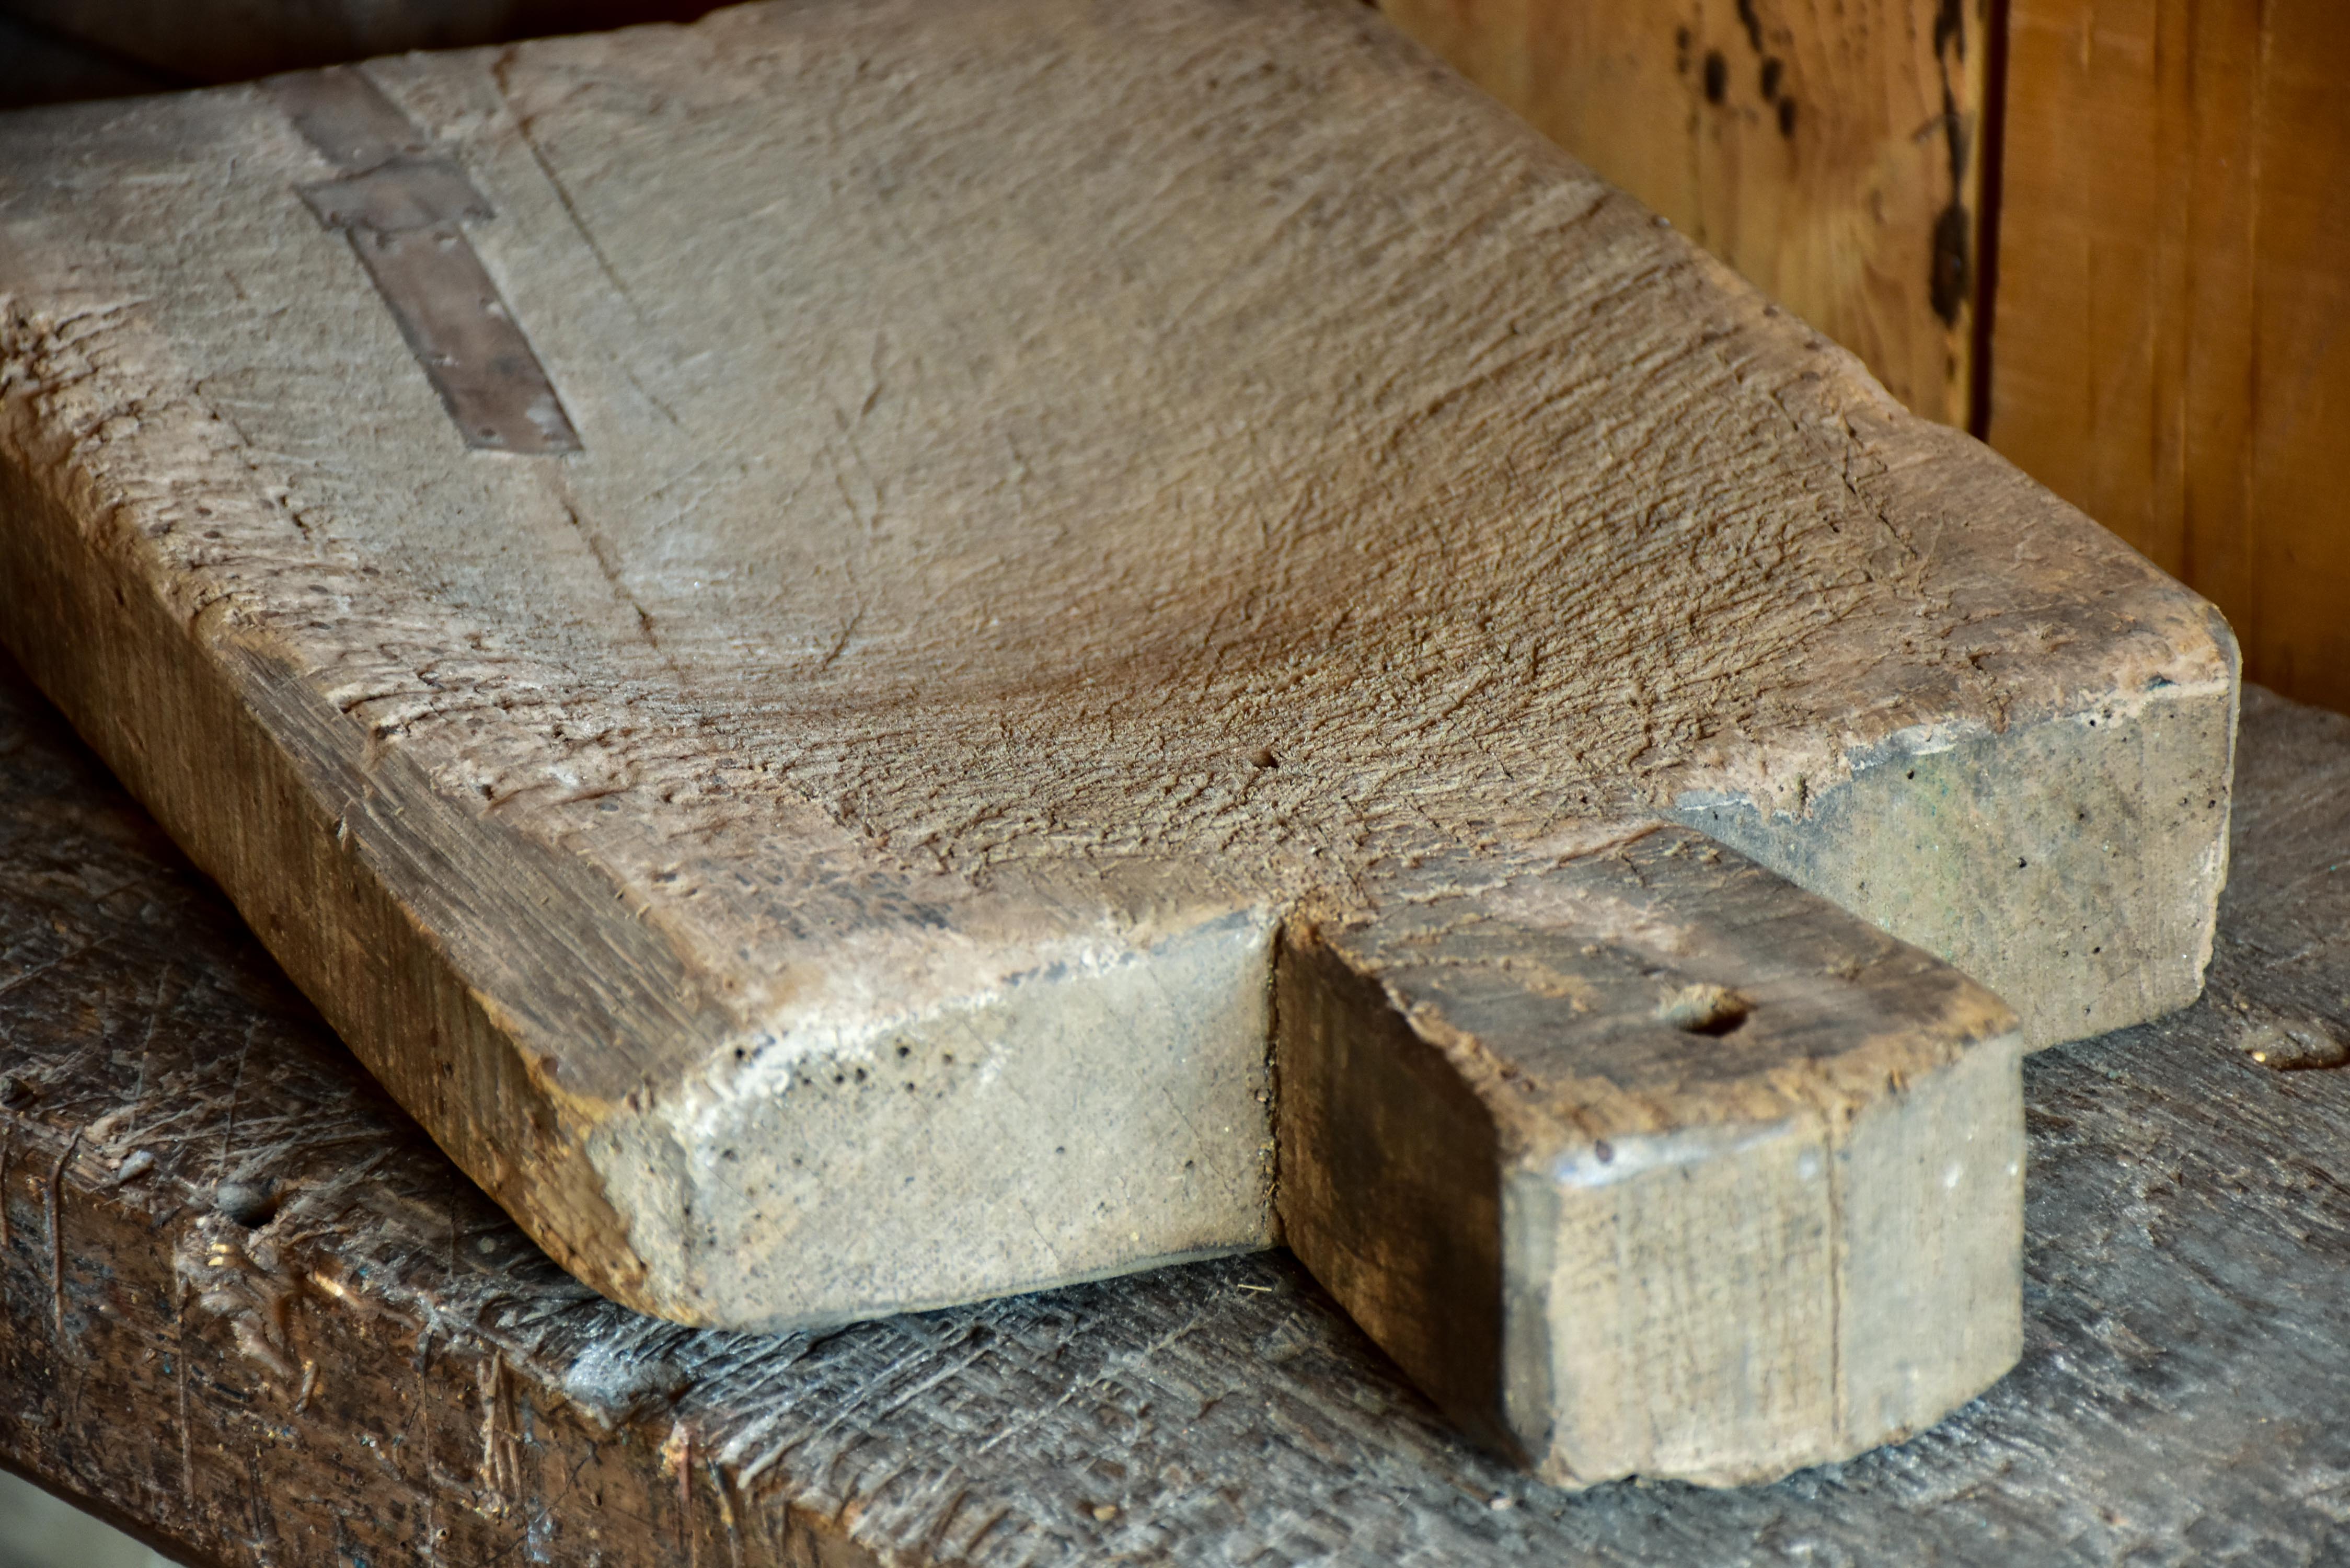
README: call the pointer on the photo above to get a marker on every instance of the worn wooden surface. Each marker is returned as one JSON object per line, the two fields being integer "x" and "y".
{"x": 793, "y": 767}
{"x": 2169, "y": 352}
{"x": 1832, "y": 152}
{"x": 250, "y": 1307}
{"x": 1524, "y": 1130}
{"x": 2169, "y": 268}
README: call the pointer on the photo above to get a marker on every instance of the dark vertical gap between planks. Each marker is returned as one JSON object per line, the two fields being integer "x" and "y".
{"x": 1986, "y": 209}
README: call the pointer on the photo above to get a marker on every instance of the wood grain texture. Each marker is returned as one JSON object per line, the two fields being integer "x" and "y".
{"x": 2169, "y": 352}
{"x": 203, "y": 1196}
{"x": 1521, "y": 1131}
{"x": 1830, "y": 152}
{"x": 819, "y": 849}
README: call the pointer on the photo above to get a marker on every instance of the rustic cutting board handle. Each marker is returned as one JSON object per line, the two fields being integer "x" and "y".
{"x": 1650, "y": 1161}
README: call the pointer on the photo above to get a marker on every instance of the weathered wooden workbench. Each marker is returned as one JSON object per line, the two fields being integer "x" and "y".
{"x": 252, "y": 1312}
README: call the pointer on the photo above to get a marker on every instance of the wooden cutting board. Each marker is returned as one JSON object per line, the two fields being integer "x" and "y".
{"x": 882, "y": 653}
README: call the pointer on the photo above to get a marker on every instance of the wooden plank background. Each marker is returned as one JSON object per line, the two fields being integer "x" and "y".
{"x": 2168, "y": 341}
{"x": 2172, "y": 351}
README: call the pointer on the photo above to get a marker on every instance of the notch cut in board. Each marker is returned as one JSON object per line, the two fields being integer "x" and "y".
{"x": 1092, "y": 532}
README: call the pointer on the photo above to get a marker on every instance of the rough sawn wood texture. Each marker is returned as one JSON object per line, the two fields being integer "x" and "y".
{"x": 1064, "y": 495}
{"x": 248, "y": 1308}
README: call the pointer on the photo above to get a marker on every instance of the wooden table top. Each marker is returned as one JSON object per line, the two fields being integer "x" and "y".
{"x": 252, "y": 1312}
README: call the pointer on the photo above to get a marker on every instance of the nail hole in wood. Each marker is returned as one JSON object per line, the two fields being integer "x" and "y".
{"x": 1705, "y": 1010}
{"x": 251, "y": 1204}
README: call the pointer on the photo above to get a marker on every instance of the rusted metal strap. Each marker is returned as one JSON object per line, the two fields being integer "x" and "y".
{"x": 403, "y": 209}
